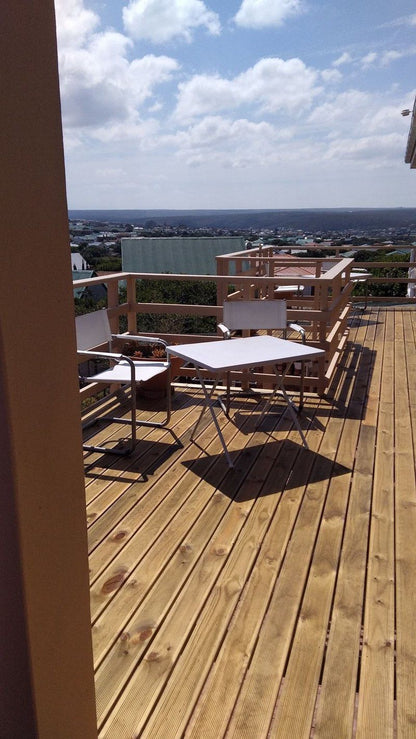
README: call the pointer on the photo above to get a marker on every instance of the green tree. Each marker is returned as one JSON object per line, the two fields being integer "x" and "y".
{"x": 392, "y": 270}
{"x": 175, "y": 291}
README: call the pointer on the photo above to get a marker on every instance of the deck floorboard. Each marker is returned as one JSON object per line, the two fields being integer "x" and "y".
{"x": 275, "y": 598}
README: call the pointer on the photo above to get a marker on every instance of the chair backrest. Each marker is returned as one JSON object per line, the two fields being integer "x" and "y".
{"x": 93, "y": 329}
{"x": 255, "y": 314}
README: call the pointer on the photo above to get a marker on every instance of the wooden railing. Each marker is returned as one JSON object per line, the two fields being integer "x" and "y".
{"x": 319, "y": 301}
{"x": 318, "y": 292}
{"x": 265, "y": 259}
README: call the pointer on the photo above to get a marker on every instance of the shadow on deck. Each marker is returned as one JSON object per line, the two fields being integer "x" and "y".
{"x": 275, "y": 598}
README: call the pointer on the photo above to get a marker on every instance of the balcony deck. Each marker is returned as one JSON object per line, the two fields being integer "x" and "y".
{"x": 276, "y": 598}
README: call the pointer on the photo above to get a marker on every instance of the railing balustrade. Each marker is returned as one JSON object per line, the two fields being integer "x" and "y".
{"x": 318, "y": 292}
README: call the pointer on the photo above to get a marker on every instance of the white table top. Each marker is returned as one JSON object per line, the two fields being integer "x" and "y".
{"x": 360, "y": 275}
{"x": 244, "y": 353}
{"x": 288, "y": 289}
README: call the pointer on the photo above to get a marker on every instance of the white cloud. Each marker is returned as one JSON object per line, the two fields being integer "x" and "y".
{"x": 369, "y": 60}
{"x": 344, "y": 111}
{"x": 358, "y": 126}
{"x": 99, "y": 84}
{"x": 163, "y": 20}
{"x": 143, "y": 133}
{"x": 345, "y": 58}
{"x": 271, "y": 85}
{"x": 407, "y": 20}
{"x": 376, "y": 59}
{"x": 374, "y": 150}
{"x": 383, "y": 118}
{"x": 265, "y": 13}
{"x": 385, "y": 58}
{"x": 146, "y": 73}
{"x": 230, "y": 143}
{"x": 331, "y": 75}
{"x": 390, "y": 56}
{"x": 291, "y": 129}
{"x": 74, "y": 22}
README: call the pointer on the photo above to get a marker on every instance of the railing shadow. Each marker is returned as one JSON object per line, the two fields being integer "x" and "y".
{"x": 348, "y": 391}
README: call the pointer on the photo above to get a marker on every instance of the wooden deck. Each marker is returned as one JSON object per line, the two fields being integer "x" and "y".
{"x": 273, "y": 599}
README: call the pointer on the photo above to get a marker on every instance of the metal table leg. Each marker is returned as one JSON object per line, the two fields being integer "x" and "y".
{"x": 210, "y": 405}
{"x": 281, "y": 388}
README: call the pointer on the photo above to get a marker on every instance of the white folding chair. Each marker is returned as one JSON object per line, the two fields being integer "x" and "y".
{"x": 93, "y": 330}
{"x": 240, "y": 315}
{"x": 256, "y": 315}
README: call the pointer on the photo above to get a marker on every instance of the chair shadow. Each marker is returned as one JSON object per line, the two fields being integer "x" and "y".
{"x": 146, "y": 459}
{"x": 310, "y": 467}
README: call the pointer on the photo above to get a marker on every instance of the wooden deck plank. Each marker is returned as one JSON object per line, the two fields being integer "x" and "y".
{"x": 162, "y": 547}
{"x": 261, "y": 600}
{"x": 114, "y": 673}
{"x": 336, "y": 704}
{"x": 110, "y": 433}
{"x": 116, "y": 603}
{"x": 149, "y": 678}
{"x": 191, "y": 515}
{"x": 110, "y": 477}
{"x": 121, "y": 519}
{"x": 181, "y": 693}
{"x": 375, "y": 716}
{"x": 263, "y": 675}
{"x": 210, "y": 717}
{"x": 405, "y": 531}
{"x": 287, "y": 716}
{"x": 294, "y": 710}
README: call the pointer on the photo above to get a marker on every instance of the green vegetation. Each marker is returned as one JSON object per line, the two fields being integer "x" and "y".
{"x": 175, "y": 291}
{"x": 385, "y": 289}
{"x": 109, "y": 264}
{"x": 99, "y": 258}
{"x": 87, "y": 304}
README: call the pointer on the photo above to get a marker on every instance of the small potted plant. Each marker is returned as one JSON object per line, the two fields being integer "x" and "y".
{"x": 154, "y": 353}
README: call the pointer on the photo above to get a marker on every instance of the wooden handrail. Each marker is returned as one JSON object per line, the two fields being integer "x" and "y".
{"x": 321, "y": 305}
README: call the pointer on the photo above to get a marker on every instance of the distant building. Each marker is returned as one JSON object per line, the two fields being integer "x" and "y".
{"x": 177, "y": 255}
{"x": 96, "y": 291}
{"x": 78, "y": 262}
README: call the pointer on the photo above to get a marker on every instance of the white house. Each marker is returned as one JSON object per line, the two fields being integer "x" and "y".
{"x": 78, "y": 262}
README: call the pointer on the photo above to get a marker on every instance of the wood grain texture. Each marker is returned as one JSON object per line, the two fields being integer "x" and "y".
{"x": 276, "y": 598}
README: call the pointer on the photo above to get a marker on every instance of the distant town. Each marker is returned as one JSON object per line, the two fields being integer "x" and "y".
{"x": 99, "y": 239}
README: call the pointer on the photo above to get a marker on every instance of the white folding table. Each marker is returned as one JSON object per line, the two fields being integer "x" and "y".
{"x": 224, "y": 356}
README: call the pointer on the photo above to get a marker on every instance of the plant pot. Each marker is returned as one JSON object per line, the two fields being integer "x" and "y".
{"x": 156, "y": 386}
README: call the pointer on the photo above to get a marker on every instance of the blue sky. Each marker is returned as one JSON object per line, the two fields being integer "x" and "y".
{"x": 237, "y": 103}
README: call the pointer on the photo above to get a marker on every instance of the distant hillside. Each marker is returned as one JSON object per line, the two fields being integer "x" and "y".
{"x": 333, "y": 219}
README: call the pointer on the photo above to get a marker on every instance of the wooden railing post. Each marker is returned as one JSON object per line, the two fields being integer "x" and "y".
{"x": 112, "y": 302}
{"x": 222, "y": 269}
{"x": 131, "y": 301}
{"x": 322, "y": 333}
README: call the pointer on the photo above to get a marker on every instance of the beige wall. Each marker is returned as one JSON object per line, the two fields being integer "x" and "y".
{"x": 46, "y": 680}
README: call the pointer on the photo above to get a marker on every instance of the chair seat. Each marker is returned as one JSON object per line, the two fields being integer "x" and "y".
{"x": 121, "y": 372}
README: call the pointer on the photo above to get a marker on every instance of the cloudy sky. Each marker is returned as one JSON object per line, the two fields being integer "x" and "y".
{"x": 237, "y": 103}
